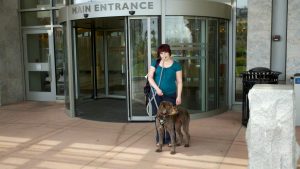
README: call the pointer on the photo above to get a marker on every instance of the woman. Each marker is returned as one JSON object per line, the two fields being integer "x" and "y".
{"x": 165, "y": 80}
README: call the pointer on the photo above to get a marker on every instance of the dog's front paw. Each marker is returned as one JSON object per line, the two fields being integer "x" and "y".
{"x": 158, "y": 150}
{"x": 186, "y": 145}
{"x": 172, "y": 152}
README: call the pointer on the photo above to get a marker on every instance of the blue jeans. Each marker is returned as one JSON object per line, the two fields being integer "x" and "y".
{"x": 170, "y": 98}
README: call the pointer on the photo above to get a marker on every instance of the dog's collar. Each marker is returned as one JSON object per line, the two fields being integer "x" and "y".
{"x": 162, "y": 120}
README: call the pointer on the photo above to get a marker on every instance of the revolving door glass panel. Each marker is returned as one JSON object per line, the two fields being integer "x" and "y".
{"x": 116, "y": 63}
{"x": 84, "y": 63}
{"x": 104, "y": 74}
{"x": 200, "y": 44}
{"x": 143, "y": 42}
{"x": 187, "y": 37}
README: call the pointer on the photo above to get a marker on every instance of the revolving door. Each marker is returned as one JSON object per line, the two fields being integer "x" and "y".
{"x": 100, "y": 68}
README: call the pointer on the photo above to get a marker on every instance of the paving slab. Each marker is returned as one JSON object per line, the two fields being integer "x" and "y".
{"x": 36, "y": 135}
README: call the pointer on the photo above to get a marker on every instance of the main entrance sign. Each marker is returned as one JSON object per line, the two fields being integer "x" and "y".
{"x": 125, "y": 6}
{"x": 109, "y": 8}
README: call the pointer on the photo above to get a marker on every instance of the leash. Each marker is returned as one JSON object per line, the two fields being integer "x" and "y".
{"x": 148, "y": 107}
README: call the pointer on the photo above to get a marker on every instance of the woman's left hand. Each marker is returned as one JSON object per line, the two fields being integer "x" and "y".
{"x": 178, "y": 100}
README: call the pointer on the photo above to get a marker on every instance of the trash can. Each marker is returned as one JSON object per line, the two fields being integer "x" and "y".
{"x": 258, "y": 75}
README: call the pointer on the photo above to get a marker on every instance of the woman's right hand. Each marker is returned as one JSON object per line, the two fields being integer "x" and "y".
{"x": 159, "y": 92}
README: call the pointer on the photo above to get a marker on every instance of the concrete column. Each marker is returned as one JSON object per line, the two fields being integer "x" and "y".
{"x": 11, "y": 68}
{"x": 259, "y": 33}
{"x": 293, "y": 39}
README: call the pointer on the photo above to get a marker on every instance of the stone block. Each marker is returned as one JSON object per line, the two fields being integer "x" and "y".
{"x": 270, "y": 133}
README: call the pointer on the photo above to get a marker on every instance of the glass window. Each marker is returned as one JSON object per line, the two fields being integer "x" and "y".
{"x": 116, "y": 63}
{"x": 55, "y": 17}
{"x": 201, "y": 46}
{"x": 36, "y": 18}
{"x": 187, "y": 37}
{"x": 37, "y": 48}
{"x": 66, "y": 72}
{"x": 39, "y": 81}
{"x": 212, "y": 63}
{"x": 26, "y": 4}
{"x": 59, "y": 60}
{"x": 142, "y": 34}
{"x": 223, "y": 62}
{"x": 84, "y": 62}
{"x": 241, "y": 46}
{"x": 80, "y": 1}
{"x": 59, "y": 3}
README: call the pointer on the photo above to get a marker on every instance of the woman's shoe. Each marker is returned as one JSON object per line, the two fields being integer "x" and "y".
{"x": 169, "y": 145}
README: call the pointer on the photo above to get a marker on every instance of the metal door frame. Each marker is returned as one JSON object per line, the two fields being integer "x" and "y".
{"x": 50, "y": 66}
{"x": 131, "y": 117}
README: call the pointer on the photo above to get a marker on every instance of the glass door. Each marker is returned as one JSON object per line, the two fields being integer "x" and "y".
{"x": 115, "y": 61}
{"x": 39, "y": 63}
{"x": 85, "y": 88}
{"x": 105, "y": 75}
{"x": 143, "y": 42}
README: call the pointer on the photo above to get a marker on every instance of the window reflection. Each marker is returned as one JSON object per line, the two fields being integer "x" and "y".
{"x": 40, "y": 4}
{"x": 59, "y": 3}
{"x": 200, "y": 45}
{"x": 223, "y": 62}
{"x": 36, "y": 18}
{"x": 241, "y": 46}
{"x": 39, "y": 81}
{"x": 38, "y": 48}
{"x": 178, "y": 30}
{"x": 80, "y": 1}
{"x": 212, "y": 64}
{"x": 139, "y": 50}
{"x": 59, "y": 60}
{"x": 25, "y": 4}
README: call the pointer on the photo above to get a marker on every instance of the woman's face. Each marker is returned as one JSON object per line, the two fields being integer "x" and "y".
{"x": 164, "y": 55}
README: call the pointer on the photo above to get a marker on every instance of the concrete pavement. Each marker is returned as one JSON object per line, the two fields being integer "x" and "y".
{"x": 39, "y": 135}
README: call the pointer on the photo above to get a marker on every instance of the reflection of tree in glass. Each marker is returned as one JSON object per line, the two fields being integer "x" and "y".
{"x": 177, "y": 30}
{"x": 241, "y": 40}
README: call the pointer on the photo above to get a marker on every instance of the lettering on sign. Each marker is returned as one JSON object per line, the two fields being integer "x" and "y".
{"x": 102, "y": 7}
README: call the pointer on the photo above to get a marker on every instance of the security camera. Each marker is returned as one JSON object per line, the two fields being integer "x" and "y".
{"x": 131, "y": 12}
{"x": 85, "y": 15}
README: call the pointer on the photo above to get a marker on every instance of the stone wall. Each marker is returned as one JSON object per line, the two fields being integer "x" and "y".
{"x": 293, "y": 39}
{"x": 11, "y": 68}
{"x": 259, "y": 33}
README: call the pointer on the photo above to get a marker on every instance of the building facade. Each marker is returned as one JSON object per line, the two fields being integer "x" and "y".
{"x": 265, "y": 22}
{"x": 110, "y": 46}
{"x": 11, "y": 60}
{"x": 90, "y": 53}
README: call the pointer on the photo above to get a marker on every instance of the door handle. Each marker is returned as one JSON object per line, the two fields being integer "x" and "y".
{"x": 49, "y": 68}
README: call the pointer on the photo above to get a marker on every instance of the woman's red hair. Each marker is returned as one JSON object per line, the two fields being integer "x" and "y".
{"x": 163, "y": 48}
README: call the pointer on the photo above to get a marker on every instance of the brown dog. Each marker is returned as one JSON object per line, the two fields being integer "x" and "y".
{"x": 169, "y": 116}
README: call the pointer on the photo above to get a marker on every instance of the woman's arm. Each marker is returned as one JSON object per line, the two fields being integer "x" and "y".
{"x": 152, "y": 82}
{"x": 179, "y": 86}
